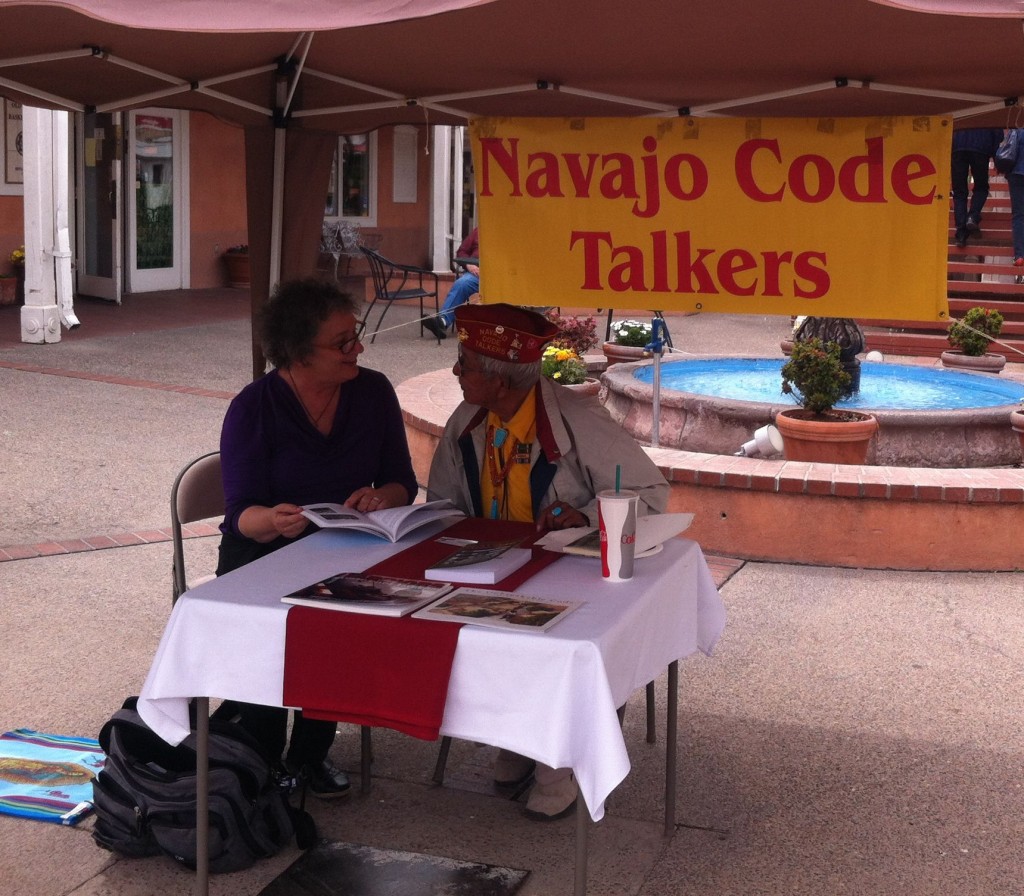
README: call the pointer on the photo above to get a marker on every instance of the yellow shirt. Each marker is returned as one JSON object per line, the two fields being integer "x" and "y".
{"x": 512, "y": 494}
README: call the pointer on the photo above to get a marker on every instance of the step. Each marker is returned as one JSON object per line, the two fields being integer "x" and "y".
{"x": 960, "y": 288}
{"x": 1010, "y": 309}
{"x": 974, "y": 266}
{"x": 1012, "y": 329}
{"x": 929, "y": 345}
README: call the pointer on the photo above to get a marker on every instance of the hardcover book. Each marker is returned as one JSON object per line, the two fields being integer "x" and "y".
{"x": 392, "y": 523}
{"x": 355, "y": 592}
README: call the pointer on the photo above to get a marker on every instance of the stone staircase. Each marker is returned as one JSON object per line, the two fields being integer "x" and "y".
{"x": 982, "y": 273}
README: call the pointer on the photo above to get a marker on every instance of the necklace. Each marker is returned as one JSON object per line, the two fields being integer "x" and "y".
{"x": 499, "y": 466}
{"x": 314, "y": 420}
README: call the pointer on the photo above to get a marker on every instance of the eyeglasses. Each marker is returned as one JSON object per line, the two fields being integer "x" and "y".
{"x": 346, "y": 345}
{"x": 461, "y": 361}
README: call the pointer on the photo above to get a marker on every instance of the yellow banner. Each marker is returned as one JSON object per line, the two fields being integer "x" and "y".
{"x": 838, "y": 217}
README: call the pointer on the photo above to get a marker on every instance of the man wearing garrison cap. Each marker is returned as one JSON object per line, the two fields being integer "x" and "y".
{"x": 521, "y": 447}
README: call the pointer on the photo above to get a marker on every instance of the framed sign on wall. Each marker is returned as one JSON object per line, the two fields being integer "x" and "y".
{"x": 14, "y": 172}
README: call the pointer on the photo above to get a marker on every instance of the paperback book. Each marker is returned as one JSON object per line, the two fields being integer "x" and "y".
{"x": 480, "y": 563}
{"x": 498, "y": 609}
{"x": 355, "y": 592}
{"x": 392, "y": 523}
{"x": 651, "y": 532}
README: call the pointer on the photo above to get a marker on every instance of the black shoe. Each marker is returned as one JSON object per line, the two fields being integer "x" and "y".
{"x": 961, "y": 238}
{"x": 436, "y": 327}
{"x": 324, "y": 780}
{"x": 973, "y": 227}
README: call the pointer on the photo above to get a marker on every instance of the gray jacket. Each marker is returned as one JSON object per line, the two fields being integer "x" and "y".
{"x": 574, "y": 456}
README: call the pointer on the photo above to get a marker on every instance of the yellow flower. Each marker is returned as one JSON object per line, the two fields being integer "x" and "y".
{"x": 18, "y": 256}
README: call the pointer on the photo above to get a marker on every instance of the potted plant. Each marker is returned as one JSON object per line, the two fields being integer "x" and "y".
{"x": 562, "y": 365}
{"x": 236, "y": 260}
{"x": 577, "y": 333}
{"x": 628, "y": 339}
{"x": 817, "y": 431}
{"x": 970, "y": 337}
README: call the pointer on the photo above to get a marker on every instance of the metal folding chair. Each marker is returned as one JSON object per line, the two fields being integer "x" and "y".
{"x": 197, "y": 494}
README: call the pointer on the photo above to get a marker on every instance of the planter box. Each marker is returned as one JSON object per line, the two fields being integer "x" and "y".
{"x": 237, "y": 264}
{"x": 8, "y": 290}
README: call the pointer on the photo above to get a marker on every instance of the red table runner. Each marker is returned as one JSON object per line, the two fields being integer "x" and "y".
{"x": 385, "y": 671}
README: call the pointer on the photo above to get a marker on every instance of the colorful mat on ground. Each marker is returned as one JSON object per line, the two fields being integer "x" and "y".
{"x": 47, "y": 777}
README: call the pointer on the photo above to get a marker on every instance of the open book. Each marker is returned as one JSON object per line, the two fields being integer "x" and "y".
{"x": 356, "y": 592}
{"x": 392, "y": 523}
{"x": 499, "y": 609}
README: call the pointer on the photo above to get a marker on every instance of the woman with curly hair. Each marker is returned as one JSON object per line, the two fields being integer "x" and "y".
{"x": 317, "y": 427}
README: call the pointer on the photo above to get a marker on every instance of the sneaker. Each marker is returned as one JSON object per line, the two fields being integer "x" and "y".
{"x": 324, "y": 780}
{"x": 973, "y": 227}
{"x": 549, "y": 802}
{"x": 436, "y": 327}
{"x": 961, "y": 238}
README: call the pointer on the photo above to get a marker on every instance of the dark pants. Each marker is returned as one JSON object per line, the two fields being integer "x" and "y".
{"x": 310, "y": 741}
{"x": 1016, "y": 184}
{"x": 311, "y": 738}
{"x": 962, "y": 164}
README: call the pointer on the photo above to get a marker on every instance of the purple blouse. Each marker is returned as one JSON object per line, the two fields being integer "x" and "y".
{"x": 271, "y": 453}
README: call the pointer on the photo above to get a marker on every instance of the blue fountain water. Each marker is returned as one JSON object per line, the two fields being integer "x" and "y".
{"x": 882, "y": 386}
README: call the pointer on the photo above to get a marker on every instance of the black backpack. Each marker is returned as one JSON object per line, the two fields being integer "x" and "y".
{"x": 145, "y": 796}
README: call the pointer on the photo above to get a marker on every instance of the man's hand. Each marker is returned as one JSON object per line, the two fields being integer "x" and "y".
{"x": 561, "y": 516}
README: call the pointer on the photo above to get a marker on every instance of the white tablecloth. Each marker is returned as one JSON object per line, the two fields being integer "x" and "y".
{"x": 549, "y": 695}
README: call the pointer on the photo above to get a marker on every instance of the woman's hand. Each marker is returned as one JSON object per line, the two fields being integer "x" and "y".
{"x": 561, "y": 516}
{"x": 287, "y": 520}
{"x": 264, "y": 524}
{"x": 368, "y": 499}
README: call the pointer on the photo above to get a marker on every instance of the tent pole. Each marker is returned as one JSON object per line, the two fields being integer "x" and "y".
{"x": 656, "y": 346}
{"x": 277, "y": 207}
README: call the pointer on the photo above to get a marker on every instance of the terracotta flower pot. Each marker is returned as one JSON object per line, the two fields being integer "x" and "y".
{"x": 8, "y": 290}
{"x": 623, "y": 354}
{"x": 844, "y": 439}
{"x": 987, "y": 363}
{"x": 1017, "y": 422}
{"x": 237, "y": 264}
{"x": 590, "y": 386}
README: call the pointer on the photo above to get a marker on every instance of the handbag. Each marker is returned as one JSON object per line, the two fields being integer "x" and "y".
{"x": 1006, "y": 155}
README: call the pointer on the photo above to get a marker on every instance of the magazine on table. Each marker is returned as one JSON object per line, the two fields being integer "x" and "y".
{"x": 392, "y": 523}
{"x": 356, "y": 592}
{"x": 480, "y": 563}
{"x": 498, "y": 609}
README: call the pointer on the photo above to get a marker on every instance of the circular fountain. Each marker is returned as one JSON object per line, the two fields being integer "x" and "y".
{"x": 927, "y": 417}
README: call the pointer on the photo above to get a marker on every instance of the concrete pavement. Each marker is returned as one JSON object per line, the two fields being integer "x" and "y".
{"x": 856, "y": 731}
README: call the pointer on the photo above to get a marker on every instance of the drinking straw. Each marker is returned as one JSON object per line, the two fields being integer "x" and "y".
{"x": 618, "y": 477}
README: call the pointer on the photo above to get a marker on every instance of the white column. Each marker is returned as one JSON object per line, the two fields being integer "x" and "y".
{"x": 60, "y": 150}
{"x": 40, "y": 316}
{"x": 441, "y": 247}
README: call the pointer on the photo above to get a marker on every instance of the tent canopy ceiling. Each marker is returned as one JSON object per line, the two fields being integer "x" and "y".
{"x": 706, "y": 56}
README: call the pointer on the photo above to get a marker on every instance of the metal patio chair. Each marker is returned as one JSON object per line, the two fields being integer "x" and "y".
{"x": 393, "y": 282}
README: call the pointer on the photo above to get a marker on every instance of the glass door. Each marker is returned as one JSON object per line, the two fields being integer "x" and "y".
{"x": 98, "y": 160}
{"x": 156, "y": 208}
